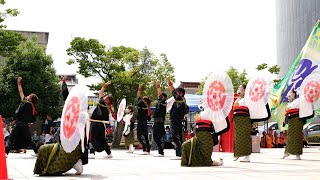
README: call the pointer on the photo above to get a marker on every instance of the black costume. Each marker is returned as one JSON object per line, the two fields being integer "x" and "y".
{"x": 142, "y": 129}
{"x": 158, "y": 126}
{"x": 177, "y": 113}
{"x": 98, "y": 130}
{"x": 20, "y": 137}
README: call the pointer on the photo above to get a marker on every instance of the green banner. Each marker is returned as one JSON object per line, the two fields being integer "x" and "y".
{"x": 305, "y": 64}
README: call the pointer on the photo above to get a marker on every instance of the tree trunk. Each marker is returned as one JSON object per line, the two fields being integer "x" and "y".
{"x": 117, "y": 135}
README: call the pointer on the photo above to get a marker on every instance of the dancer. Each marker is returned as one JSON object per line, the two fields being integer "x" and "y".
{"x": 143, "y": 117}
{"x": 128, "y": 121}
{"x": 64, "y": 87}
{"x": 242, "y": 128}
{"x": 54, "y": 160}
{"x": 197, "y": 151}
{"x": 20, "y": 137}
{"x": 294, "y": 142}
{"x": 159, "y": 118}
{"x": 177, "y": 113}
{"x": 98, "y": 129}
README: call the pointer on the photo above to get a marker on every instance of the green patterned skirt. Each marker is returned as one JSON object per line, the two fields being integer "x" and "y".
{"x": 53, "y": 160}
{"x": 294, "y": 138}
{"x": 242, "y": 137}
{"x": 129, "y": 139}
{"x": 200, "y": 152}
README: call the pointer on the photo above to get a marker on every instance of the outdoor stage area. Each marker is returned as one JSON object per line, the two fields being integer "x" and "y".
{"x": 264, "y": 165}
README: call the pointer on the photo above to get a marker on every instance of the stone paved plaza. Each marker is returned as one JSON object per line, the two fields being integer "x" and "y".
{"x": 264, "y": 165}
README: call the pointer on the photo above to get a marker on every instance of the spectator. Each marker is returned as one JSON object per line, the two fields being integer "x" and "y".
{"x": 48, "y": 130}
{"x": 269, "y": 139}
{"x": 36, "y": 139}
{"x": 56, "y": 136}
{"x": 254, "y": 130}
{"x": 168, "y": 139}
{"x": 276, "y": 140}
{"x": 263, "y": 140}
{"x": 6, "y": 132}
{"x": 42, "y": 138}
{"x": 282, "y": 140}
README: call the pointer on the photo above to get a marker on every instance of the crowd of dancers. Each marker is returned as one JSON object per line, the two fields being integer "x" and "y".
{"x": 52, "y": 159}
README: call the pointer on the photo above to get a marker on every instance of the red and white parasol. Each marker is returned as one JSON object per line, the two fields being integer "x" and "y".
{"x": 310, "y": 90}
{"x": 257, "y": 95}
{"x": 217, "y": 99}
{"x": 121, "y": 109}
{"x": 74, "y": 117}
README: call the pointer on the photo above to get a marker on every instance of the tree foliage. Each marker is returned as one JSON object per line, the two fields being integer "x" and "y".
{"x": 126, "y": 67}
{"x": 237, "y": 77}
{"x": 275, "y": 69}
{"x": 6, "y": 13}
{"x": 29, "y": 61}
{"x": 9, "y": 41}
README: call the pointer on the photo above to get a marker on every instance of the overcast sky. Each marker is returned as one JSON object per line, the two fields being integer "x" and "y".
{"x": 198, "y": 36}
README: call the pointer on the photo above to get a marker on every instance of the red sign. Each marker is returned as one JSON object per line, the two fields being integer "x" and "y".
{"x": 312, "y": 91}
{"x": 257, "y": 90}
{"x": 71, "y": 117}
{"x": 216, "y": 96}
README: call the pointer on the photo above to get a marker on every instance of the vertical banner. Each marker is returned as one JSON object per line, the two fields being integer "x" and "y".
{"x": 305, "y": 64}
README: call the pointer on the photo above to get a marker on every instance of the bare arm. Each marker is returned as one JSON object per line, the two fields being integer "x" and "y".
{"x": 51, "y": 128}
{"x": 139, "y": 90}
{"x": 103, "y": 88}
{"x": 170, "y": 84}
{"x": 159, "y": 88}
{"x": 20, "y": 88}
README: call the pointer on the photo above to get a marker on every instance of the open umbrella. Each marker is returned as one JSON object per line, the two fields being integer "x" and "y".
{"x": 309, "y": 96}
{"x": 121, "y": 109}
{"x": 217, "y": 100}
{"x": 310, "y": 90}
{"x": 257, "y": 95}
{"x": 74, "y": 117}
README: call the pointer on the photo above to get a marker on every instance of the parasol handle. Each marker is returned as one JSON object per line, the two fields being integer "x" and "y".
{"x": 105, "y": 122}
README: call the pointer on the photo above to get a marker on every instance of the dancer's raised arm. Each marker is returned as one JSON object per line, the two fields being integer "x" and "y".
{"x": 104, "y": 87}
{"x": 20, "y": 88}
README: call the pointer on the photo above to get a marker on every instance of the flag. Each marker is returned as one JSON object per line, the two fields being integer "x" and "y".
{"x": 305, "y": 64}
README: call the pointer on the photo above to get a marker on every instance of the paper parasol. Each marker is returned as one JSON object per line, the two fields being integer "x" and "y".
{"x": 74, "y": 117}
{"x": 121, "y": 109}
{"x": 217, "y": 99}
{"x": 257, "y": 95}
{"x": 310, "y": 90}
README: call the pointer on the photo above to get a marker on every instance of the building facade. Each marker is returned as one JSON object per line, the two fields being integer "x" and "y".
{"x": 190, "y": 87}
{"x": 294, "y": 22}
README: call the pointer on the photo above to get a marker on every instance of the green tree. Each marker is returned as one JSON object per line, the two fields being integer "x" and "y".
{"x": 126, "y": 67}
{"x": 7, "y": 13}
{"x": 275, "y": 69}
{"x": 236, "y": 78}
{"x": 30, "y": 62}
{"x": 9, "y": 41}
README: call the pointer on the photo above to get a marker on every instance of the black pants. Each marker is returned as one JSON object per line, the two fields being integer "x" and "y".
{"x": 20, "y": 138}
{"x": 158, "y": 132}
{"x": 176, "y": 128}
{"x": 98, "y": 139}
{"x": 142, "y": 133}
